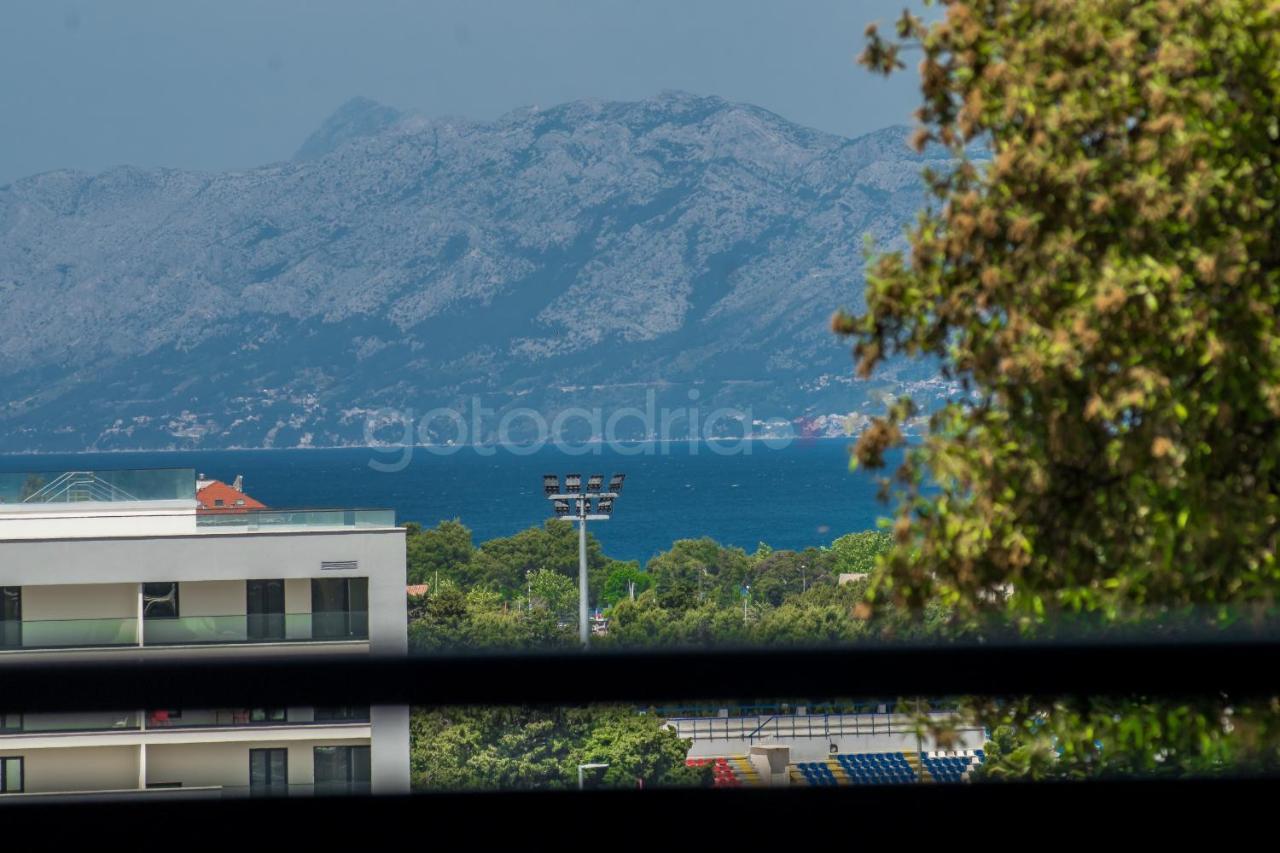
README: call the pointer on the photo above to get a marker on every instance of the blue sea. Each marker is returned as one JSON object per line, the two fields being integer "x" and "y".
{"x": 789, "y": 497}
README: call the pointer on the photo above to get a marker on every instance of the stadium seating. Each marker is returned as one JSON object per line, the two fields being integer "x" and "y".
{"x": 886, "y": 768}
{"x": 951, "y": 766}
{"x": 876, "y": 768}
{"x": 729, "y": 772}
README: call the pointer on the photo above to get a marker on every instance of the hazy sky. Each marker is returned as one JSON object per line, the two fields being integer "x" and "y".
{"x": 221, "y": 84}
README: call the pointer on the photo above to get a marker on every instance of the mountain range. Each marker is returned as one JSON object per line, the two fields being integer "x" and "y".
{"x": 673, "y": 252}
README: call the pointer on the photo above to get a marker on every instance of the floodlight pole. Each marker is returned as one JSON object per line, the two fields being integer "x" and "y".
{"x": 581, "y": 513}
{"x": 584, "y": 626}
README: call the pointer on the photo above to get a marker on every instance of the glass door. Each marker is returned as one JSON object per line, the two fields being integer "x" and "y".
{"x": 265, "y": 609}
{"x": 339, "y": 608}
{"x": 10, "y": 617}
{"x": 268, "y": 772}
{"x": 342, "y": 769}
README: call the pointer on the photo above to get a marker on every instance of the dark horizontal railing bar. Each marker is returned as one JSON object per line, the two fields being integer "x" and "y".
{"x": 673, "y": 819}
{"x": 1233, "y": 668}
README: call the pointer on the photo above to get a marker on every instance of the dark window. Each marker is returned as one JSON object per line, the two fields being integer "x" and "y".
{"x": 10, "y": 775}
{"x": 160, "y": 600}
{"x": 268, "y": 715}
{"x": 345, "y": 714}
{"x": 10, "y": 722}
{"x": 265, "y": 607}
{"x": 339, "y": 608}
{"x": 218, "y": 502}
{"x": 10, "y": 616}
{"x": 342, "y": 769}
{"x": 268, "y": 772}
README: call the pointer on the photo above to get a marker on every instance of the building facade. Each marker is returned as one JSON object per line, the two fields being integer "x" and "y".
{"x": 122, "y": 564}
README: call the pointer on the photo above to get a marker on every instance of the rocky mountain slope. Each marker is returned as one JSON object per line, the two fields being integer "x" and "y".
{"x": 682, "y": 249}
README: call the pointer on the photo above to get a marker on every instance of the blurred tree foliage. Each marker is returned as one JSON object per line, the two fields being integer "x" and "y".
{"x": 504, "y": 565}
{"x": 1103, "y": 283}
{"x": 622, "y": 581}
{"x": 525, "y": 748}
{"x": 554, "y": 592}
{"x": 698, "y": 593}
{"x": 442, "y": 551}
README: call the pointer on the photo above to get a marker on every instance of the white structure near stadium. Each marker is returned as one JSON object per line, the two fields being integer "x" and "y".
{"x": 877, "y": 745}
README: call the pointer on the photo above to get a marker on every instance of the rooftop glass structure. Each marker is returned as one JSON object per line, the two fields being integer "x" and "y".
{"x": 33, "y": 488}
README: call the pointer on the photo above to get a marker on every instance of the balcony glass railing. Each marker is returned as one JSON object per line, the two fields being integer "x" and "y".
{"x": 59, "y": 633}
{"x": 107, "y": 721}
{"x": 60, "y": 723}
{"x": 242, "y": 628}
{"x": 237, "y": 717}
{"x": 318, "y": 789}
{"x": 185, "y": 630}
{"x": 60, "y": 487}
{"x": 283, "y": 519}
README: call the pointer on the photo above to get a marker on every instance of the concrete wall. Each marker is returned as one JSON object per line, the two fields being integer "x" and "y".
{"x": 297, "y": 595}
{"x": 212, "y": 598}
{"x": 89, "y": 520}
{"x": 390, "y": 753}
{"x": 91, "y": 601}
{"x": 84, "y": 769}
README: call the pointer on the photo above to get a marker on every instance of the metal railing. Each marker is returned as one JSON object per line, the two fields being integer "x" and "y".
{"x": 281, "y": 519}
{"x": 1235, "y": 668}
{"x": 33, "y": 488}
{"x": 53, "y": 723}
{"x": 779, "y": 726}
{"x": 184, "y": 630}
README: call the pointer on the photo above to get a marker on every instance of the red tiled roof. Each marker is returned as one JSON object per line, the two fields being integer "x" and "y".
{"x": 416, "y": 589}
{"x": 232, "y": 500}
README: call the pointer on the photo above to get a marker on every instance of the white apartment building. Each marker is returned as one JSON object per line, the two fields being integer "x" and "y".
{"x": 112, "y": 565}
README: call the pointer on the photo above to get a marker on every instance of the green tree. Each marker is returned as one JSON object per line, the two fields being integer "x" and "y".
{"x": 783, "y": 574}
{"x": 638, "y": 750}
{"x": 857, "y": 553}
{"x": 623, "y": 577}
{"x": 442, "y": 552}
{"x": 525, "y": 748}
{"x": 450, "y": 620}
{"x": 504, "y": 564}
{"x": 554, "y": 592}
{"x": 1102, "y": 284}
{"x": 645, "y": 622}
{"x": 695, "y": 571}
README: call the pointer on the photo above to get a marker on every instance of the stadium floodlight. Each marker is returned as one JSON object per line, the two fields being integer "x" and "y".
{"x": 575, "y": 504}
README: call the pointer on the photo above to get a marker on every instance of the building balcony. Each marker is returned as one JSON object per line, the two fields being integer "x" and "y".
{"x": 265, "y": 520}
{"x": 50, "y": 723}
{"x": 185, "y": 630}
